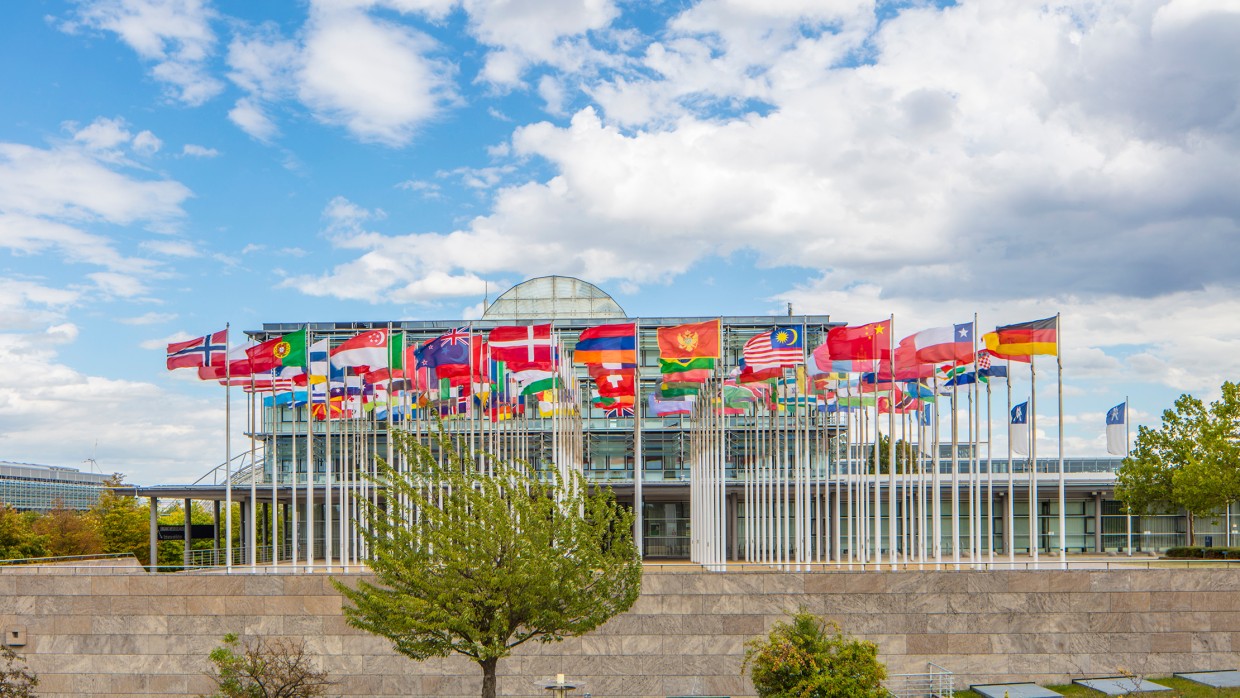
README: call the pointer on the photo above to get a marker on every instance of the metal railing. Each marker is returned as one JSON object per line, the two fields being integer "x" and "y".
{"x": 937, "y": 682}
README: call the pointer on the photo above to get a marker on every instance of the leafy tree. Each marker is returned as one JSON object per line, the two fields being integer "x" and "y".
{"x": 810, "y": 658}
{"x": 1190, "y": 463}
{"x": 68, "y": 532}
{"x": 477, "y": 564}
{"x": 123, "y": 522}
{"x": 17, "y": 537}
{"x": 265, "y": 669}
{"x": 16, "y": 679}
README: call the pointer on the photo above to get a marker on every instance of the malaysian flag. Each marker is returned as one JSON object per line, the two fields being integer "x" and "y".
{"x": 208, "y": 350}
{"x": 782, "y": 346}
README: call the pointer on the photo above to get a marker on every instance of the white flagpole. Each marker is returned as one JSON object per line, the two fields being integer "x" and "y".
{"x": 253, "y": 527}
{"x": 955, "y": 482}
{"x": 1063, "y": 527}
{"x": 639, "y": 469}
{"x": 1034, "y": 533}
{"x": 227, "y": 451}
{"x": 309, "y": 513}
{"x": 891, "y": 446}
{"x": 1011, "y": 479}
{"x": 1127, "y": 509}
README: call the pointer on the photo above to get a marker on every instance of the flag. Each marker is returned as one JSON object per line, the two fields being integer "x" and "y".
{"x": 1023, "y": 341}
{"x": 528, "y": 343}
{"x": 208, "y": 350}
{"x": 288, "y": 350}
{"x": 681, "y": 365}
{"x": 669, "y": 408}
{"x": 860, "y": 343}
{"x": 927, "y": 428}
{"x": 820, "y": 363}
{"x": 364, "y": 351}
{"x": 613, "y": 382}
{"x": 696, "y": 340}
{"x": 1018, "y": 429}
{"x": 607, "y": 344}
{"x": 940, "y": 344}
{"x": 1117, "y": 432}
{"x": 782, "y": 346}
{"x": 449, "y": 349}
{"x": 236, "y": 365}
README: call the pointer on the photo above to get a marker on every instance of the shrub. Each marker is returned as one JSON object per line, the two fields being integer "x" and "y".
{"x": 810, "y": 658}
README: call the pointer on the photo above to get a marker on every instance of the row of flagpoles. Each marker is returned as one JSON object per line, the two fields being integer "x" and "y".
{"x": 774, "y": 419}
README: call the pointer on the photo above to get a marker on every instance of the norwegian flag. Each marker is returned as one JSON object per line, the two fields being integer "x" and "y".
{"x": 208, "y": 350}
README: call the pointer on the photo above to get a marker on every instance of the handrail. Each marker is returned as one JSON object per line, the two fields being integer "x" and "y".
{"x": 65, "y": 558}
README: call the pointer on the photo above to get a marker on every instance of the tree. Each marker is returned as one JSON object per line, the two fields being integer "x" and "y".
{"x": 265, "y": 669}
{"x": 17, "y": 537}
{"x": 810, "y": 658}
{"x": 475, "y": 555}
{"x": 1191, "y": 462}
{"x": 16, "y": 679}
{"x": 123, "y": 522}
{"x": 68, "y": 532}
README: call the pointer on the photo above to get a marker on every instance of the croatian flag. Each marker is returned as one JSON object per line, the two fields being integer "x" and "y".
{"x": 1117, "y": 432}
{"x": 208, "y": 350}
{"x": 1018, "y": 430}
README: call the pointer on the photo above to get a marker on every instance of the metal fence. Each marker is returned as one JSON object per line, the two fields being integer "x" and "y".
{"x": 935, "y": 683}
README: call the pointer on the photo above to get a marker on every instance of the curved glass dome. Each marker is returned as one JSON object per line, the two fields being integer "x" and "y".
{"x": 553, "y": 298}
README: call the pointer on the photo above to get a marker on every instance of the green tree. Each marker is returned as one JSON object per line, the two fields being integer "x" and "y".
{"x": 1190, "y": 463}
{"x": 68, "y": 532}
{"x": 123, "y": 523}
{"x": 265, "y": 669}
{"x": 810, "y": 658}
{"x": 17, "y": 537}
{"x": 477, "y": 564}
{"x": 16, "y": 679}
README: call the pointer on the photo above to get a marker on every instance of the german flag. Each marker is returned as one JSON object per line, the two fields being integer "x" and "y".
{"x": 1024, "y": 340}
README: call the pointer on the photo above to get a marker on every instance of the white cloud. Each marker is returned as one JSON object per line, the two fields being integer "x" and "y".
{"x": 249, "y": 116}
{"x": 146, "y": 143}
{"x": 39, "y": 395}
{"x": 172, "y": 248}
{"x": 531, "y": 32}
{"x": 151, "y": 318}
{"x": 113, "y": 284}
{"x": 372, "y": 76}
{"x": 175, "y": 36}
{"x": 103, "y": 134}
{"x": 198, "y": 151}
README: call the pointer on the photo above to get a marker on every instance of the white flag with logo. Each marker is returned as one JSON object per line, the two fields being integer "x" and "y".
{"x": 1018, "y": 429}
{"x": 1117, "y": 432}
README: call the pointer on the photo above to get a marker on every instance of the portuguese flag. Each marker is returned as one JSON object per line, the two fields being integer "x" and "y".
{"x": 289, "y": 350}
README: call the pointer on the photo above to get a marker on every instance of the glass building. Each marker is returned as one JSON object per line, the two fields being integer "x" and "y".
{"x": 774, "y": 492}
{"x": 26, "y": 487}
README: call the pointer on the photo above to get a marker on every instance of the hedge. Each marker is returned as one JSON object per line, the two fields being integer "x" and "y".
{"x": 1202, "y": 553}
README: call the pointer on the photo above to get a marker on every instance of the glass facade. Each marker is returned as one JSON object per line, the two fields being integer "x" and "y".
{"x": 26, "y": 487}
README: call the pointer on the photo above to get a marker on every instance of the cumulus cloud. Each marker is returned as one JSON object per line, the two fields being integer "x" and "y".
{"x": 173, "y": 36}
{"x": 198, "y": 151}
{"x": 40, "y": 394}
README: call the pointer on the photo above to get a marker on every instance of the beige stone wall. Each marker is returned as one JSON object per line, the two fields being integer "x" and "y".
{"x": 107, "y": 632}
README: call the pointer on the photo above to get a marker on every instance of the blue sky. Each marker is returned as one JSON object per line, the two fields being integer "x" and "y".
{"x": 169, "y": 166}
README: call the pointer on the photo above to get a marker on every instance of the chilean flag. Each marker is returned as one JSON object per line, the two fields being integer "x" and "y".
{"x": 943, "y": 344}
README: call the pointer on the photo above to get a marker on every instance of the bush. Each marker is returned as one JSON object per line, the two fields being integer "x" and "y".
{"x": 275, "y": 669}
{"x": 1198, "y": 552}
{"x": 810, "y": 658}
{"x": 16, "y": 679}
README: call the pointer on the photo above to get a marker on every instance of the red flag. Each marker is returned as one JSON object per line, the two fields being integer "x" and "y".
{"x": 861, "y": 343}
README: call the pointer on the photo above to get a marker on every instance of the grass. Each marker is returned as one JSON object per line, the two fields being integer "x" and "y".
{"x": 1183, "y": 689}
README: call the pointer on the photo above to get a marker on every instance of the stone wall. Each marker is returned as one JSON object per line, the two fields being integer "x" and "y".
{"x": 105, "y": 632}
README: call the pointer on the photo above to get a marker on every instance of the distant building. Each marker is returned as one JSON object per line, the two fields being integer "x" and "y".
{"x": 28, "y": 487}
